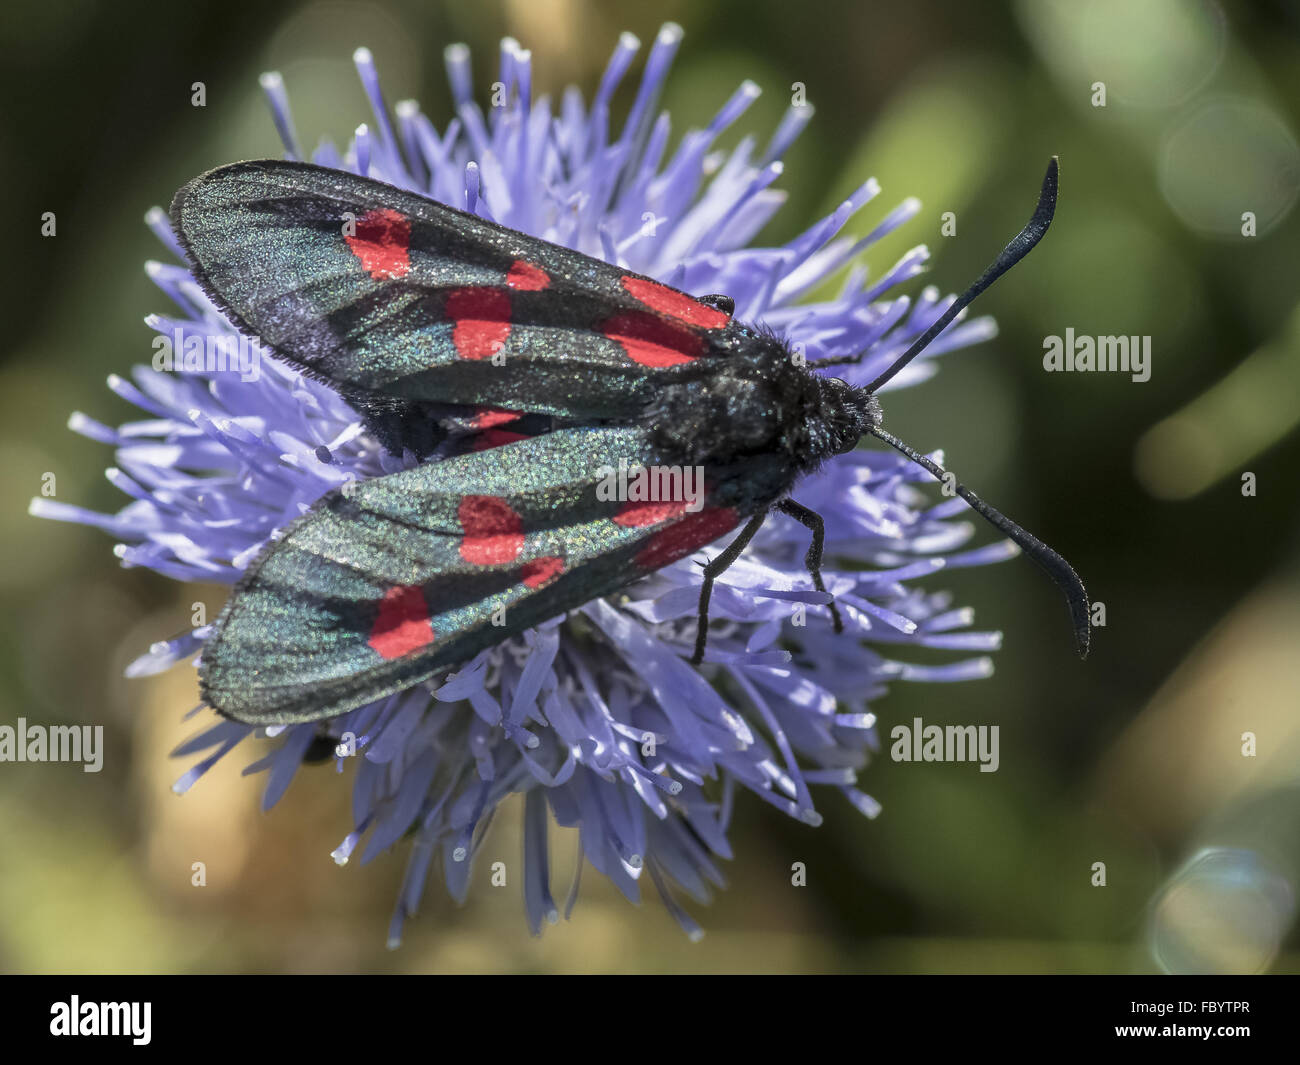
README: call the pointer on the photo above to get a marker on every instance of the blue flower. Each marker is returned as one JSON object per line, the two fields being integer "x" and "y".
{"x": 614, "y": 732}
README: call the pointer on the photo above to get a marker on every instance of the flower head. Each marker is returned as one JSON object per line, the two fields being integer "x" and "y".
{"x": 596, "y": 717}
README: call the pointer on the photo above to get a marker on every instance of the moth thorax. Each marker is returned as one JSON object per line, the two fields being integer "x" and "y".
{"x": 716, "y": 421}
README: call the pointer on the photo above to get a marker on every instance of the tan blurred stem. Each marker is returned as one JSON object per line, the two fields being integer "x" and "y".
{"x": 1223, "y": 429}
{"x": 1182, "y": 759}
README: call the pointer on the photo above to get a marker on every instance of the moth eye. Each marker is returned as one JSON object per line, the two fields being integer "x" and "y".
{"x": 725, "y": 304}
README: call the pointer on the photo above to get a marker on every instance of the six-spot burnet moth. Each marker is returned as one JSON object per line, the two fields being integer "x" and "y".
{"x": 521, "y": 369}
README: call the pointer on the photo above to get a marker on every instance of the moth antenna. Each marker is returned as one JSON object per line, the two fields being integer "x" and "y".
{"x": 1015, "y": 251}
{"x": 1061, "y": 572}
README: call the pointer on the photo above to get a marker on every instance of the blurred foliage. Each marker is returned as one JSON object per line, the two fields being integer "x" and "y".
{"x": 1132, "y": 759}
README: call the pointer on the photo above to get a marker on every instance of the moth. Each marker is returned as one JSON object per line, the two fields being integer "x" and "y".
{"x": 521, "y": 370}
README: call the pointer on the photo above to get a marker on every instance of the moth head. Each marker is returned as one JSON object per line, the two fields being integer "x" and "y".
{"x": 850, "y": 413}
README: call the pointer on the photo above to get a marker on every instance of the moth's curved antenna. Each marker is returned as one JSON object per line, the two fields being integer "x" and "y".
{"x": 1061, "y": 572}
{"x": 1011, "y": 254}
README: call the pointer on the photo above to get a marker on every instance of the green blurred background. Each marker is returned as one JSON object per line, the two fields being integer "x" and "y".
{"x": 1133, "y": 759}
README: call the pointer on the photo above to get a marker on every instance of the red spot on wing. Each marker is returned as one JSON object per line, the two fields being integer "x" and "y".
{"x": 403, "y": 622}
{"x": 494, "y": 533}
{"x": 639, "y": 515}
{"x": 485, "y": 441}
{"x": 482, "y": 320}
{"x": 540, "y": 570}
{"x": 683, "y": 537}
{"x": 525, "y": 277}
{"x": 489, "y": 417}
{"x": 675, "y": 304}
{"x": 650, "y": 341}
{"x": 382, "y": 243}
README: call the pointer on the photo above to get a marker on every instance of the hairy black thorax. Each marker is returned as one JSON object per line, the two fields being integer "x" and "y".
{"x": 762, "y": 400}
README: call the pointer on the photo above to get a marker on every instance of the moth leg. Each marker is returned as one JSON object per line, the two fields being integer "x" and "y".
{"x": 812, "y": 521}
{"x": 714, "y": 569}
{"x": 725, "y": 304}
